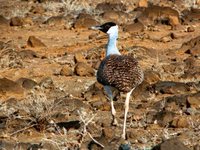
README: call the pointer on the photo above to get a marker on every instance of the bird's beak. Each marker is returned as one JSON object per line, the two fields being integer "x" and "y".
{"x": 96, "y": 27}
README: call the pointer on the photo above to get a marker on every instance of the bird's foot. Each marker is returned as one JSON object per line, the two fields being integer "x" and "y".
{"x": 125, "y": 147}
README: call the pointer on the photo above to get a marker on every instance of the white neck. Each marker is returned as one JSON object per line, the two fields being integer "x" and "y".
{"x": 112, "y": 41}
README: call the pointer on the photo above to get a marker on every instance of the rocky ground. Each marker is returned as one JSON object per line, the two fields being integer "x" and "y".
{"x": 49, "y": 96}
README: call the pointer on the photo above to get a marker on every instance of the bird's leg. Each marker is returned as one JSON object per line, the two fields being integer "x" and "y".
{"x": 114, "y": 121}
{"x": 113, "y": 111}
{"x": 125, "y": 113}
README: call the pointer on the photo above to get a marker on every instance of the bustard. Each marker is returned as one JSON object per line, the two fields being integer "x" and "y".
{"x": 117, "y": 71}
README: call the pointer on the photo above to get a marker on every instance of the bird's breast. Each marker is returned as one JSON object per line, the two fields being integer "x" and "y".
{"x": 120, "y": 71}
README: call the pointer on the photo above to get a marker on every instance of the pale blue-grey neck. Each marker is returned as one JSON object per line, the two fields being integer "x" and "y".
{"x": 112, "y": 45}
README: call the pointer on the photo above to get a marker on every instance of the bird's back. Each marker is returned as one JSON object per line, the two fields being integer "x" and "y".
{"x": 120, "y": 71}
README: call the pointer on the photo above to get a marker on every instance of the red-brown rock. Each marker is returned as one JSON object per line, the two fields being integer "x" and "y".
{"x": 83, "y": 69}
{"x": 35, "y": 42}
{"x": 16, "y": 21}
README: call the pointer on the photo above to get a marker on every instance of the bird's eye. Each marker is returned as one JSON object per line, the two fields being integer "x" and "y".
{"x": 107, "y": 26}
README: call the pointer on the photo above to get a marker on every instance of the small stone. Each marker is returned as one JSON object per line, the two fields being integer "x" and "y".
{"x": 67, "y": 59}
{"x": 28, "y": 54}
{"x": 84, "y": 15}
{"x": 130, "y": 135}
{"x": 174, "y": 35}
{"x": 150, "y": 117}
{"x": 35, "y": 42}
{"x": 79, "y": 57}
{"x": 151, "y": 77}
{"x": 171, "y": 144}
{"x": 166, "y": 39}
{"x": 85, "y": 21}
{"x": 153, "y": 127}
{"x": 83, "y": 69}
{"x": 164, "y": 118}
{"x": 194, "y": 100}
{"x": 172, "y": 106}
{"x": 179, "y": 100}
{"x": 169, "y": 68}
{"x": 16, "y": 21}
{"x": 191, "y": 111}
{"x": 190, "y": 29}
{"x": 98, "y": 104}
{"x": 143, "y": 3}
{"x": 116, "y": 16}
{"x": 125, "y": 147}
{"x": 134, "y": 28}
{"x": 180, "y": 123}
{"x": 169, "y": 87}
{"x": 111, "y": 15}
{"x": 174, "y": 21}
{"x": 66, "y": 71}
{"x": 46, "y": 83}
{"x": 55, "y": 20}
{"x": 28, "y": 21}
{"x": 92, "y": 36}
{"x": 37, "y": 9}
{"x": 69, "y": 124}
{"x": 142, "y": 140}
{"x": 26, "y": 83}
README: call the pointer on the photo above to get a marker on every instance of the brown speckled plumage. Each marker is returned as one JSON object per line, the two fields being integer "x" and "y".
{"x": 120, "y": 71}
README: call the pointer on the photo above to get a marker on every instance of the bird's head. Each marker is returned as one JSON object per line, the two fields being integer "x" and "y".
{"x": 109, "y": 28}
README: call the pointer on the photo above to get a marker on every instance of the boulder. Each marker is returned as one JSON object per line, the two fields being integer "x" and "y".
{"x": 35, "y": 42}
